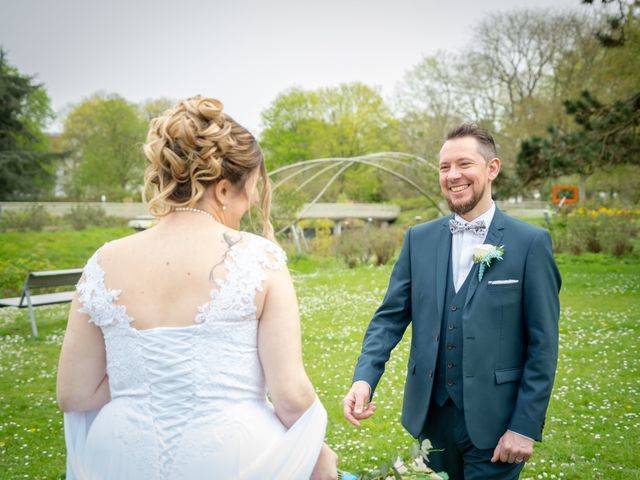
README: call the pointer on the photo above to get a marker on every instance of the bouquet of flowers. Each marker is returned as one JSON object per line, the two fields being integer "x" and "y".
{"x": 399, "y": 469}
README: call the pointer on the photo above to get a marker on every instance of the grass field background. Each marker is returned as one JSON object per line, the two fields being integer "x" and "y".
{"x": 593, "y": 423}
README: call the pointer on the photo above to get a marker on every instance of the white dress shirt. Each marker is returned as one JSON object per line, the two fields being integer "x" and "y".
{"x": 462, "y": 245}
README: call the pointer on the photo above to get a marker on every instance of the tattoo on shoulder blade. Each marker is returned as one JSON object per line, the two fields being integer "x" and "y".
{"x": 230, "y": 239}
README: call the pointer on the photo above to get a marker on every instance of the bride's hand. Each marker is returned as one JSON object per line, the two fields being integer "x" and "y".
{"x": 327, "y": 465}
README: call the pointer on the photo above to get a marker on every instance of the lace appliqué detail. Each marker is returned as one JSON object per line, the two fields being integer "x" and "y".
{"x": 272, "y": 257}
{"x": 245, "y": 263}
{"x": 97, "y": 300}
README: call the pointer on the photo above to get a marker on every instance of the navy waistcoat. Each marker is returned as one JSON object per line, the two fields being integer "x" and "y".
{"x": 448, "y": 378}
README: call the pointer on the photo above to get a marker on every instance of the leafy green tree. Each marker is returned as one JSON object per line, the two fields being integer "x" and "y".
{"x": 27, "y": 169}
{"x": 344, "y": 121}
{"x": 357, "y": 121}
{"x": 105, "y": 134}
{"x": 291, "y": 126}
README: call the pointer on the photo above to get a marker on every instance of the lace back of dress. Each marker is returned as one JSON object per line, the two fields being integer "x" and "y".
{"x": 245, "y": 265}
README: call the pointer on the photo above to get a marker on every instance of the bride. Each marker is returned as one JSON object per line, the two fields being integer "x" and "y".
{"x": 177, "y": 333}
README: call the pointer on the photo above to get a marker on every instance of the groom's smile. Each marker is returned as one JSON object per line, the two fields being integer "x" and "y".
{"x": 459, "y": 188}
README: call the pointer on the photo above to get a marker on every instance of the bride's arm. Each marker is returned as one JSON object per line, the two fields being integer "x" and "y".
{"x": 279, "y": 347}
{"x": 280, "y": 350}
{"x": 82, "y": 380}
{"x": 326, "y": 467}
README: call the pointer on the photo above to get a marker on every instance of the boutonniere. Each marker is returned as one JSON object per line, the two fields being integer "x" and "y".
{"x": 484, "y": 255}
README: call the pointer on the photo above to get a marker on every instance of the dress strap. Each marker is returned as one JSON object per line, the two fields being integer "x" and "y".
{"x": 97, "y": 300}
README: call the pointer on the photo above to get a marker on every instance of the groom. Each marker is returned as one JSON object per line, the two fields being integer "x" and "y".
{"x": 483, "y": 350}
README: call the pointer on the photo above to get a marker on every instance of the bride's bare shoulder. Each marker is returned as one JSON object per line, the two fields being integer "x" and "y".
{"x": 124, "y": 246}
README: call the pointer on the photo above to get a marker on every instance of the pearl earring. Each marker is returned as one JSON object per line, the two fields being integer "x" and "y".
{"x": 224, "y": 207}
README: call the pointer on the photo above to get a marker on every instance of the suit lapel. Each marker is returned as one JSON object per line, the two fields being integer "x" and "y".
{"x": 494, "y": 237}
{"x": 442, "y": 257}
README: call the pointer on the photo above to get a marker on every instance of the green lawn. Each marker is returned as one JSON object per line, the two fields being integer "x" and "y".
{"x": 593, "y": 425}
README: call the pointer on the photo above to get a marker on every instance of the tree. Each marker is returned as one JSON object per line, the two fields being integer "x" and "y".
{"x": 27, "y": 169}
{"x": 505, "y": 81}
{"x": 602, "y": 135}
{"x": 290, "y": 123}
{"x": 105, "y": 134}
{"x": 608, "y": 135}
{"x": 344, "y": 121}
{"x": 428, "y": 101}
{"x": 357, "y": 121}
{"x": 155, "y": 107}
{"x": 613, "y": 34}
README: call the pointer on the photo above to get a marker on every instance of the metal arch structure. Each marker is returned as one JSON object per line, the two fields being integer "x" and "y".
{"x": 315, "y": 168}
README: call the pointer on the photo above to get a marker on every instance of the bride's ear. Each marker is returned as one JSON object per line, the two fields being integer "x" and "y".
{"x": 221, "y": 192}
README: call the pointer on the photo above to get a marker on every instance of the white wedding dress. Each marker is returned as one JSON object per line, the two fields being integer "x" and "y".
{"x": 190, "y": 402}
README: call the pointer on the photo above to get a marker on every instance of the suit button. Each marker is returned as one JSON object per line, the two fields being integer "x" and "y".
{"x": 451, "y": 327}
{"x": 451, "y": 383}
{"x": 451, "y": 346}
{"x": 430, "y": 373}
{"x": 437, "y": 338}
{"x": 453, "y": 308}
{"x": 450, "y": 365}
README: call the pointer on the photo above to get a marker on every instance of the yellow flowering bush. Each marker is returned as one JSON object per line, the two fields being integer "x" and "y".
{"x": 321, "y": 243}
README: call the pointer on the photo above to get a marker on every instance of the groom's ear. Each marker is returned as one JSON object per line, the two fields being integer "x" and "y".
{"x": 494, "y": 168}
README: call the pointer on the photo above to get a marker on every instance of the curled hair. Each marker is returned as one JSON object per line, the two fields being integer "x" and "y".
{"x": 193, "y": 146}
{"x": 486, "y": 145}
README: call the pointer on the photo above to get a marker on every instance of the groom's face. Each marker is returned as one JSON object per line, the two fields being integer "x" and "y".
{"x": 466, "y": 176}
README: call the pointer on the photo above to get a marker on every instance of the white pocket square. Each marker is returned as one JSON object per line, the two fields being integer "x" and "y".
{"x": 502, "y": 282}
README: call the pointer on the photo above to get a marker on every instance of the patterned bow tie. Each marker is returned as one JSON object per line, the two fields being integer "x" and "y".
{"x": 477, "y": 228}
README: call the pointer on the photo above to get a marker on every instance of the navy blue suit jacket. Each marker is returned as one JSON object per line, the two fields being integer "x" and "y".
{"x": 510, "y": 330}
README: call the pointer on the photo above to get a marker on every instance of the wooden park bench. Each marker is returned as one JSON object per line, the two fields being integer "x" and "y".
{"x": 37, "y": 280}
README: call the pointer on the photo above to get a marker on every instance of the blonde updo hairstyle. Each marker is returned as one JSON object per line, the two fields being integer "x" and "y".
{"x": 193, "y": 146}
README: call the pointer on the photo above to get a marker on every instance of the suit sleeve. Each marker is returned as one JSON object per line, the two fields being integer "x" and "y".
{"x": 541, "y": 310}
{"x": 389, "y": 322}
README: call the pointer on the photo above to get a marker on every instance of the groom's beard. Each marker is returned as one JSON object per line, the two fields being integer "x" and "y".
{"x": 466, "y": 207}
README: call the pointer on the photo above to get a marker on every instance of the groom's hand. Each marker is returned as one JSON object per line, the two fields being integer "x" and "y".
{"x": 356, "y": 404}
{"x": 512, "y": 448}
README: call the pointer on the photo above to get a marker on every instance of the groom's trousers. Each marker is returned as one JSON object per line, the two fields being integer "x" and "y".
{"x": 446, "y": 430}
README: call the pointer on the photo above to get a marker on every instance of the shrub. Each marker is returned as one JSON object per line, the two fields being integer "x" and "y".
{"x": 33, "y": 217}
{"x": 604, "y": 229}
{"x": 322, "y": 243}
{"x": 583, "y": 231}
{"x": 82, "y": 216}
{"x": 616, "y": 234}
{"x": 369, "y": 244}
{"x": 383, "y": 244}
{"x": 350, "y": 246}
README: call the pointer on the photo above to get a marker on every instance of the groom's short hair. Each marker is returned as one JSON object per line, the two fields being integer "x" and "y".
{"x": 486, "y": 145}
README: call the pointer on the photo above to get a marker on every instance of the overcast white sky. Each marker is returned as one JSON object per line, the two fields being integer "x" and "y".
{"x": 242, "y": 52}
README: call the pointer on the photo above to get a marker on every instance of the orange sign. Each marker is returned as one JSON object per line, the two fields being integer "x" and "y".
{"x": 565, "y": 194}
